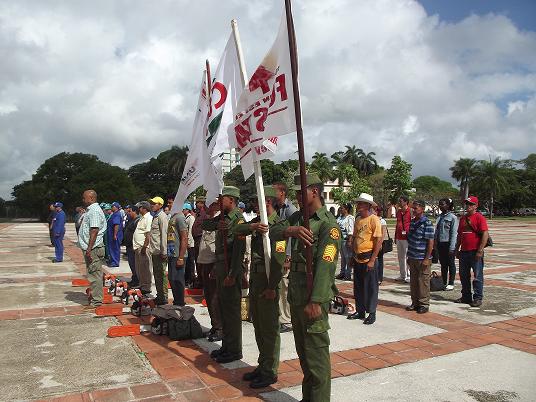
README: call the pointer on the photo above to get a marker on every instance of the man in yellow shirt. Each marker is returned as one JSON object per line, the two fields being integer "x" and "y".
{"x": 367, "y": 242}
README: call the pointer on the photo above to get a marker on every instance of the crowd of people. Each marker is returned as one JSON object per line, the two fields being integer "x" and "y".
{"x": 217, "y": 246}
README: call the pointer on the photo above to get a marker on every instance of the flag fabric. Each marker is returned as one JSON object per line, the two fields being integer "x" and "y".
{"x": 226, "y": 89}
{"x": 198, "y": 170}
{"x": 266, "y": 106}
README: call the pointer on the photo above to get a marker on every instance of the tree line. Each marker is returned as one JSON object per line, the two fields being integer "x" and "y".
{"x": 505, "y": 184}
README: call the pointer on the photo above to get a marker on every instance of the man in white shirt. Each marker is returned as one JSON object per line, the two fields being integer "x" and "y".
{"x": 189, "y": 269}
{"x": 140, "y": 244}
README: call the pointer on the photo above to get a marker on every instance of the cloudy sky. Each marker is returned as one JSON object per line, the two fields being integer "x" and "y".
{"x": 432, "y": 81}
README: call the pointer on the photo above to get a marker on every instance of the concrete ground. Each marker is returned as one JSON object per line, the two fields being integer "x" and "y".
{"x": 55, "y": 351}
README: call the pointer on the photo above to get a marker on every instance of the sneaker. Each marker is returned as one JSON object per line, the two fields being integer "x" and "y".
{"x": 476, "y": 303}
{"x": 449, "y": 287}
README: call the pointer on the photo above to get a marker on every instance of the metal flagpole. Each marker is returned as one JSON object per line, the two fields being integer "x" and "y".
{"x": 256, "y": 163}
{"x": 220, "y": 197}
{"x": 299, "y": 134}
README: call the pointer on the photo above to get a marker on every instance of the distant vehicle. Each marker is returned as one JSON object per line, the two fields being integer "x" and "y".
{"x": 483, "y": 212}
{"x": 526, "y": 211}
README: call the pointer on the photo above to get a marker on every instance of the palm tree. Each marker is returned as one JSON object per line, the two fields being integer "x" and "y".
{"x": 177, "y": 159}
{"x": 463, "y": 170}
{"x": 353, "y": 156}
{"x": 322, "y": 166}
{"x": 370, "y": 165}
{"x": 338, "y": 158}
{"x": 494, "y": 177}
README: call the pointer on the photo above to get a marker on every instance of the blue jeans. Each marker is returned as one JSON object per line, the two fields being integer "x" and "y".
{"x": 58, "y": 247}
{"x": 468, "y": 262}
{"x": 346, "y": 260}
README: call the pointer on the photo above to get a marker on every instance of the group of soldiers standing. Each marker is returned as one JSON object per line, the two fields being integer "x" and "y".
{"x": 309, "y": 304}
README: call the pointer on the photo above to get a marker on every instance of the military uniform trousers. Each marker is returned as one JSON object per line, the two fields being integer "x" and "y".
{"x": 229, "y": 298}
{"x": 312, "y": 342}
{"x": 265, "y": 315}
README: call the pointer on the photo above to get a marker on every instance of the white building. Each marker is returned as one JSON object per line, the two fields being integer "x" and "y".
{"x": 328, "y": 192}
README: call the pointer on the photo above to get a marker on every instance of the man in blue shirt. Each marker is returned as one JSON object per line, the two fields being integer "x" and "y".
{"x": 420, "y": 246}
{"x": 115, "y": 234}
{"x": 58, "y": 231}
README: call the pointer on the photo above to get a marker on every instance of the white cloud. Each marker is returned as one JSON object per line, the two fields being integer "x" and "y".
{"x": 119, "y": 79}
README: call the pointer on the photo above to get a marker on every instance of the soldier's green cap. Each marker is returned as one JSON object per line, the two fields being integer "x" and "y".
{"x": 269, "y": 191}
{"x": 310, "y": 179}
{"x": 231, "y": 191}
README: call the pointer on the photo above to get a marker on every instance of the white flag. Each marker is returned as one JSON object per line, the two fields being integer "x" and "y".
{"x": 198, "y": 170}
{"x": 266, "y": 106}
{"x": 226, "y": 89}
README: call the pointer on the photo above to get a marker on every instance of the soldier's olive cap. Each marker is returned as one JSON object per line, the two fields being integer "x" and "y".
{"x": 231, "y": 191}
{"x": 310, "y": 179}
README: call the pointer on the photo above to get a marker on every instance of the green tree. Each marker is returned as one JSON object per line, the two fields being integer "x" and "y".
{"x": 463, "y": 171}
{"x": 65, "y": 176}
{"x": 397, "y": 179}
{"x": 322, "y": 166}
{"x": 358, "y": 185}
{"x": 431, "y": 189}
{"x": 161, "y": 175}
{"x": 493, "y": 179}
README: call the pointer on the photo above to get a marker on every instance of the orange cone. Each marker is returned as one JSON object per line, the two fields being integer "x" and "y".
{"x": 124, "y": 330}
{"x": 80, "y": 282}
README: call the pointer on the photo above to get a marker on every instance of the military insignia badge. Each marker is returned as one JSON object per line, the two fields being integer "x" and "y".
{"x": 240, "y": 221}
{"x": 280, "y": 246}
{"x": 334, "y": 234}
{"x": 329, "y": 253}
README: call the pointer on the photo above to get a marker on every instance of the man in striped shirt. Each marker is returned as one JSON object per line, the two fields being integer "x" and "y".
{"x": 90, "y": 240}
{"x": 420, "y": 246}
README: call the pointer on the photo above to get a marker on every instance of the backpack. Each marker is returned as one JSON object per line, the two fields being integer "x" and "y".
{"x": 178, "y": 322}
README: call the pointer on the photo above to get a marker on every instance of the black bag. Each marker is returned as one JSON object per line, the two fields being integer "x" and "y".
{"x": 339, "y": 305}
{"x": 387, "y": 244}
{"x": 436, "y": 282}
{"x": 179, "y": 330}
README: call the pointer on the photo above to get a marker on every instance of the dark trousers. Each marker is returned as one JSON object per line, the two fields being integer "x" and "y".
{"x": 380, "y": 266}
{"x": 366, "y": 287}
{"x": 190, "y": 266}
{"x": 211, "y": 295}
{"x": 58, "y": 247}
{"x": 132, "y": 265}
{"x": 468, "y": 262}
{"x": 446, "y": 259}
{"x": 230, "y": 307}
{"x": 176, "y": 280}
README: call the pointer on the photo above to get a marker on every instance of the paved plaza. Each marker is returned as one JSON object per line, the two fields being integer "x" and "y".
{"x": 55, "y": 351}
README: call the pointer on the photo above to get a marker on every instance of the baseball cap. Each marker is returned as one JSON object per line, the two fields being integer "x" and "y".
{"x": 58, "y": 204}
{"x": 241, "y": 205}
{"x": 472, "y": 200}
{"x": 187, "y": 206}
{"x": 116, "y": 204}
{"x": 157, "y": 200}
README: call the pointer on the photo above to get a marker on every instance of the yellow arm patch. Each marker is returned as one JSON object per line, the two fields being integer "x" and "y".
{"x": 329, "y": 253}
{"x": 334, "y": 234}
{"x": 280, "y": 246}
{"x": 240, "y": 221}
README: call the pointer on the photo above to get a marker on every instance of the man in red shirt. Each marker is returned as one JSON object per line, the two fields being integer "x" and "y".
{"x": 403, "y": 220}
{"x": 472, "y": 238}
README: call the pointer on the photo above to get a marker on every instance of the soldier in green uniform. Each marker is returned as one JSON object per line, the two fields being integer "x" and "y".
{"x": 229, "y": 283}
{"x": 309, "y": 315}
{"x": 264, "y": 293}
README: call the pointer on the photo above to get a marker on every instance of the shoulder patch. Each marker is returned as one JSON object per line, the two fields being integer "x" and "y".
{"x": 240, "y": 221}
{"x": 334, "y": 234}
{"x": 280, "y": 246}
{"x": 329, "y": 253}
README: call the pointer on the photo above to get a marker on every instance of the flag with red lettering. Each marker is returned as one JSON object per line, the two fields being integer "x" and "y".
{"x": 198, "y": 170}
{"x": 266, "y": 106}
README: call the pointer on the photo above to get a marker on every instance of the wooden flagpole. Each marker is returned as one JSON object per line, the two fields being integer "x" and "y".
{"x": 256, "y": 163}
{"x": 299, "y": 134}
{"x": 220, "y": 197}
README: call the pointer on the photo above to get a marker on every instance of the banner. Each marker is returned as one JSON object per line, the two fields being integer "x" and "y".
{"x": 266, "y": 106}
{"x": 198, "y": 170}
